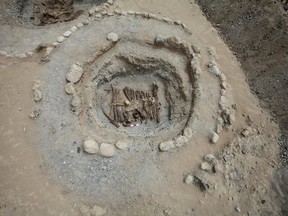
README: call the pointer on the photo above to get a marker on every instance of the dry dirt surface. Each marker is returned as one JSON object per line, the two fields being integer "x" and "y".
{"x": 132, "y": 108}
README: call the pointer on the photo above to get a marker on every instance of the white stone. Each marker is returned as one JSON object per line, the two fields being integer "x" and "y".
{"x": 178, "y": 22}
{"x": 85, "y": 22}
{"x": 188, "y": 179}
{"x": 37, "y": 95}
{"x": 98, "y": 16}
{"x": 76, "y": 101}
{"x": 79, "y": 25}
{"x": 144, "y": 14}
{"x": 90, "y": 146}
{"x": 60, "y": 39}
{"x": 205, "y": 166}
{"x": 110, "y": 2}
{"x": 98, "y": 211}
{"x": 245, "y": 133}
{"x": 167, "y": 19}
{"x": 107, "y": 150}
{"x": 166, "y": 146}
{"x": 67, "y": 34}
{"x": 209, "y": 157}
{"x": 74, "y": 28}
{"x": 180, "y": 141}
{"x": 112, "y": 37}
{"x": 130, "y": 12}
{"x": 117, "y": 11}
{"x": 55, "y": 44}
{"x": 70, "y": 88}
{"x": 75, "y": 73}
{"x": 188, "y": 132}
{"x": 121, "y": 145}
{"x": 123, "y": 13}
{"x": 214, "y": 138}
{"x": 222, "y": 77}
{"x": 223, "y": 92}
{"x": 152, "y": 16}
{"x": 238, "y": 209}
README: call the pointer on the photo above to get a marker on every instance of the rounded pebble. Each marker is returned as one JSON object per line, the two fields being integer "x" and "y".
{"x": 70, "y": 89}
{"x": 74, "y": 28}
{"x": 112, "y": 37}
{"x": 60, "y": 39}
{"x": 188, "y": 179}
{"x": 90, "y": 146}
{"x": 166, "y": 146}
{"x": 121, "y": 145}
{"x": 107, "y": 150}
{"x": 214, "y": 138}
{"x": 67, "y": 34}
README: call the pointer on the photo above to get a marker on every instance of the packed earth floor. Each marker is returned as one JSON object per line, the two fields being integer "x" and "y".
{"x": 124, "y": 108}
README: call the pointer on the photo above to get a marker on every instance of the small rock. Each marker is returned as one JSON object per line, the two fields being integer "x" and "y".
{"x": 112, "y": 37}
{"x": 85, "y": 22}
{"x": 107, "y": 150}
{"x": 196, "y": 49}
{"x": 188, "y": 132}
{"x": 60, "y": 39}
{"x": 130, "y": 12}
{"x": 245, "y": 133}
{"x": 214, "y": 137}
{"x": 188, "y": 179}
{"x": 223, "y": 85}
{"x": 238, "y": 209}
{"x": 98, "y": 211}
{"x": 70, "y": 88}
{"x": 76, "y": 101}
{"x": 167, "y": 212}
{"x": 160, "y": 40}
{"x": 222, "y": 77}
{"x": 37, "y": 95}
{"x": 209, "y": 157}
{"x": 55, "y": 44}
{"x": 121, "y": 145}
{"x": 166, "y": 146}
{"x": 74, "y": 28}
{"x": 123, "y": 13}
{"x": 167, "y": 19}
{"x": 79, "y": 25}
{"x": 67, "y": 34}
{"x": 202, "y": 182}
{"x": 90, "y": 146}
{"x": 117, "y": 11}
{"x": 223, "y": 92}
{"x": 35, "y": 114}
{"x": 180, "y": 141}
{"x": 218, "y": 168}
{"x": 110, "y": 2}
{"x": 75, "y": 73}
{"x": 231, "y": 118}
{"x": 206, "y": 166}
{"x": 178, "y": 22}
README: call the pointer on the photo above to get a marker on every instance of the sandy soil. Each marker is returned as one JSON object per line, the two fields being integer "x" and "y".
{"x": 45, "y": 174}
